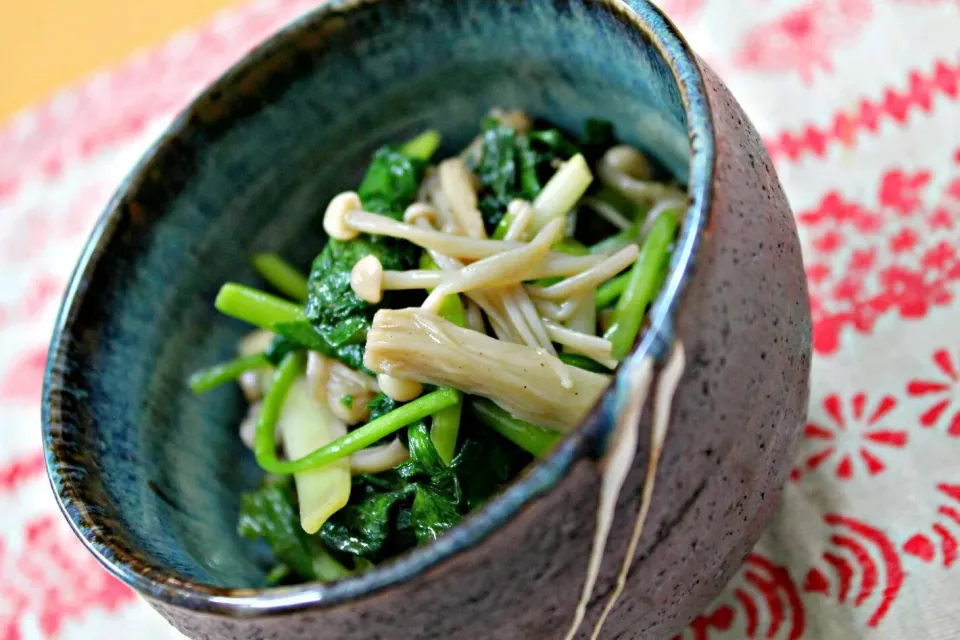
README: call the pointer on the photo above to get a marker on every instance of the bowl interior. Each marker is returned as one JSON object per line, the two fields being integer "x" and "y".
{"x": 250, "y": 168}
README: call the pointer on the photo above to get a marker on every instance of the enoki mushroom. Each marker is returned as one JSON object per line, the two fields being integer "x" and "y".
{"x": 618, "y": 461}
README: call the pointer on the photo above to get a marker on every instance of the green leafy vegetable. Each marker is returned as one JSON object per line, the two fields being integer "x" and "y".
{"x": 432, "y": 513}
{"x": 270, "y": 514}
{"x": 497, "y": 172}
{"x": 307, "y": 336}
{"x": 598, "y": 136}
{"x": 455, "y": 463}
{"x": 332, "y": 306}
{"x": 278, "y": 348}
{"x": 392, "y": 511}
{"x": 485, "y": 464}
{"x": 339, "y": 316}
{"x": 438, "y": 504}
{"x": 396, "y": 509}
{"x": 362, "y": 528}
{"x": 286, "y": 319}
{"x": 424, "y": 459}
{"x": 528, "y": 161}
{"x": 381, "y": 405}
{"x": 445, "y": 428}
{"x": 391, "y": 182}
{"x": 513, "y": 165}
{"x": 551, "y": 143}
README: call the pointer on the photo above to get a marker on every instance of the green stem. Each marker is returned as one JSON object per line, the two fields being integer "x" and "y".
{"x": 641, "y": 288}
{"x": 326, "y": 567}
{"x": 445, "y": 426}
{"x": 619, "y": 240}
{"x": 354, "y": 441}
{"x": 571, "y": 247}
{"x": 281, "y": 275}
{"x": 256, "y": 307}
{"x": 621, "y": 203}
{"x": 529, "y": 437}
{"x": 583, "y": 362}
{"x": 264, "y": 440}
{"x": 423, "y": 146}
{"x": 277, "y": 574}
{"x": 611, "y": 290}
{"x": 500, "y": 232}
{"x": 211, "y": 377}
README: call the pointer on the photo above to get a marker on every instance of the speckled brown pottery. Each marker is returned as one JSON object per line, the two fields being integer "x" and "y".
{"x": 149, "y": 475}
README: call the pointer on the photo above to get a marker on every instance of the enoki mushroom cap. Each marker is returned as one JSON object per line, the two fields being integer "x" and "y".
{"x": 400, "y": 389}
{"x": 366, "y": 279}
{"x": 335, "y": 217}
{"x": 421, "y": 211}
{"x": 628, "y": 160}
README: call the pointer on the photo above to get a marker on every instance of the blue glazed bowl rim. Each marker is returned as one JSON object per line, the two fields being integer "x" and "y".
{"x": 587, "y": 440}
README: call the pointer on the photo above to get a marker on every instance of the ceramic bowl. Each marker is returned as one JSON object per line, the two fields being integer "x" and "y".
{"x": 149, "y": 475}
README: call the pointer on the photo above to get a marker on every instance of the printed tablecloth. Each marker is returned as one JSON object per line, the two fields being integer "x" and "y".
{"x": 859, "y": 101}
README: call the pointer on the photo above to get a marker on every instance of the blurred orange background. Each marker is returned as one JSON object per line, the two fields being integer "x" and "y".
{"x": 47, "y": 44}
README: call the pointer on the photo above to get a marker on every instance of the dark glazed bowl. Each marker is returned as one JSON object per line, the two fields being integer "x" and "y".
{"x": 149, "y": 475}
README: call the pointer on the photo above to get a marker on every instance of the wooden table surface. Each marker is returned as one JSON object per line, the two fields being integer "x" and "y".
{"x": 46, "y": 44}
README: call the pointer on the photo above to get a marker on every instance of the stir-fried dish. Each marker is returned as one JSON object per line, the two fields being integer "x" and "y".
{"x": 464, "y": 314}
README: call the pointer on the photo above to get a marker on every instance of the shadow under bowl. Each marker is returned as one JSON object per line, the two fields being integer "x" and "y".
{"x": 149, "y": 475}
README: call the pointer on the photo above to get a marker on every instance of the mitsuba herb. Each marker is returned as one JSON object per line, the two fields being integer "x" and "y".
{"x": 393, "y": 511}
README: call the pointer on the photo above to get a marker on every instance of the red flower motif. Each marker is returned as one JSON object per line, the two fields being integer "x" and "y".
{"x": 828, "y": 242}
{"x": 45, "y": 289}
{"x": 912, "y": 292}
{"x": 901, "y": 191}
{"x": 943, "y": 535}
{"x": 53, "y": 579}
{"x": 941, "y": 219}
{"x": 953, "y": 189}
{"x": 944, "y": 391}
{"x": 834, "y": 208}
{"x": 765, "y": 603}
{"x": 898, "y": 257}
{"x": 804, "y": 38}
{"x": 681, "y": 10}
{"x": 23, "y": 379}
{"x": 903, "y": 241}
{"x": 849, "y": 288}
{"x": 867, "y": 568}
{"x": 850, "y": 434}
{"x": 14, "y": 473}
{"x": 31, "y": 241}
{"x": 863, "y": 259}
{"x": 818, "y": 272}
{"x": 942, "y": 257}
